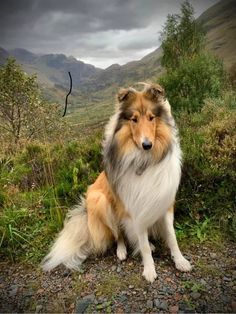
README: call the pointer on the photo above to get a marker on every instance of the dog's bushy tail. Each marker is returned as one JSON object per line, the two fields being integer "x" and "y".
{"x": 73, "y": 244}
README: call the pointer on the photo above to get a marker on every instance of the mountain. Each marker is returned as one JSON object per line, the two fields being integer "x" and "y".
{"x": 219, "y": 22}
{"x": 54, "y": 67}
{"x": 23, "y": 55}
{"x": 147, "y": 68}
{"x": 52, "y": 70}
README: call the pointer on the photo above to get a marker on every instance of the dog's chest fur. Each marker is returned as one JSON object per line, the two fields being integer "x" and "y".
{"x": 148, "y": 196}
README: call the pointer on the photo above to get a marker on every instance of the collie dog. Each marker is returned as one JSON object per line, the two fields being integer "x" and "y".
{"x": 133, "y": 197}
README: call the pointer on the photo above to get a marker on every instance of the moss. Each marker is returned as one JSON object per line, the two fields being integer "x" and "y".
{"x": 110, "y": 285}
{"x": 207, "y": 269}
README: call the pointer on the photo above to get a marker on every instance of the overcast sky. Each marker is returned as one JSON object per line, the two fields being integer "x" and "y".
{"x": 100, "y": 32}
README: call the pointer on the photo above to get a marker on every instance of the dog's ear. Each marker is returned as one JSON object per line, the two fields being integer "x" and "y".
{"x": 126, "y": 94}
{"x": 154, "y": 92}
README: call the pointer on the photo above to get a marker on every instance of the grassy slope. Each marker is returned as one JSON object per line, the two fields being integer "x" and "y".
{"x": 220, "y": 24}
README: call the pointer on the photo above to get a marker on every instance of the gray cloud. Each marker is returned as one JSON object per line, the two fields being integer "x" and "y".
{"x": 104, "y": 31}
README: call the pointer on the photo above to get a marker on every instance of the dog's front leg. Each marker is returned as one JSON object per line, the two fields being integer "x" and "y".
{"x": 181, "y": 263}
{"x": 149, "y": 268}
{"x": 121, "y": 251}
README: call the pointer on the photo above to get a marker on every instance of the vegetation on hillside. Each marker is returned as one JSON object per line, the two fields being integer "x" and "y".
{"x": 45, "y": 169}
{"x": 24, "y": 116}
{"x": 192, "y": 74}
{"x": 195, "y": 82}
{"x": 206, "y": 198}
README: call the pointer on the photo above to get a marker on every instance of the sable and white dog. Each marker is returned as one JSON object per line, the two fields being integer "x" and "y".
{"x": 135, "y": 195}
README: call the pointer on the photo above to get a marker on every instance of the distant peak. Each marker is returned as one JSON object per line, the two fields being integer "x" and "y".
{"x": 114, "y": 66}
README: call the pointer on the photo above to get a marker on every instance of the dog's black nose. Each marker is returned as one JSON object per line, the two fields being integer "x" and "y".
{"x": 146, "y": 144}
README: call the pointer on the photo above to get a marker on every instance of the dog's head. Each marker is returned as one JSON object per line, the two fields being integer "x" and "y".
{"x": 144, "y": 114}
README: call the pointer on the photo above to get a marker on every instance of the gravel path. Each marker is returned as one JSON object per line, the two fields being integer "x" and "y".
{"x": 107, "y": 285}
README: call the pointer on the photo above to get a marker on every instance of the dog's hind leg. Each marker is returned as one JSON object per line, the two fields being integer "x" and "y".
{"x": 101, "y": 223}
{"x": 104, "y": 225}
{"x": 168, "y": 233}
{"x": 121, "y": 250}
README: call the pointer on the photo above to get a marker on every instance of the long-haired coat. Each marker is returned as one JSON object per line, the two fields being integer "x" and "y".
{"x": 134, "y": 196}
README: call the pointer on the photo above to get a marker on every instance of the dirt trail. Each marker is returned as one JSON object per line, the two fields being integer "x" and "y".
{"x": 107, "y": 285}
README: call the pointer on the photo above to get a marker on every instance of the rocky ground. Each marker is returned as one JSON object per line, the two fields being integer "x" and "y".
{"x": 107, "y": 285}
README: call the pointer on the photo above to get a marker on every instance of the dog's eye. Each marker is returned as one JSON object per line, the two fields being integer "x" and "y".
{"x": 151, "y": 118}
{"x": 135, "y": 120}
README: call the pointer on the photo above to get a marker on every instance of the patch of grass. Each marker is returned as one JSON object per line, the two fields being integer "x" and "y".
{"x": 189, "y": 304}
{"x": 25, "y": 234}
{"x": 79, "y": 284}
{"x": 199, "y": 231}
{"x": 194, "y": 286}
{"x": 208, "y": 269}
{"x": 105, "y": 307}
{"x": 135, "y": 280}
{"x": 110, "y": 285}
{"x": 12, "y": 236}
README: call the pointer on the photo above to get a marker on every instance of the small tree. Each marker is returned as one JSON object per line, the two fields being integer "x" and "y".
{"x": 192, "y": 74}
{"x": 23, "y": 114}
{"x": 182, "y": 37}
{"x": 18, "y": 99}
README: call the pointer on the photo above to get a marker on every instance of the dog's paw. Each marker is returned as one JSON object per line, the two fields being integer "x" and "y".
{"x": 149, "y": 273}
{"x": 183, "y": 264}
{"x": 121, "y": 252}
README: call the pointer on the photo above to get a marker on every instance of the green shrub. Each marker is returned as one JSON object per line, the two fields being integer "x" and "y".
{"x": 194, "y": 80}
{"x": 208, "y": 183}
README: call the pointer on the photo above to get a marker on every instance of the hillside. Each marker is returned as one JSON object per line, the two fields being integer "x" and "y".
{"x": 134, "y": 71}
{"x": 52, "y": 70}
{"x": 219, "y": 21}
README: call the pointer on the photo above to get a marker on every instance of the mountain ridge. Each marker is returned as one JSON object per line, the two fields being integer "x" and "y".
{"x": 59, "y": 64}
